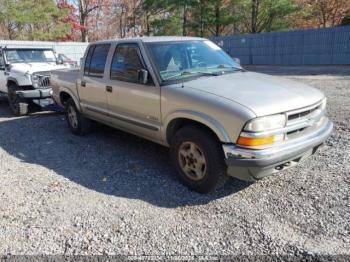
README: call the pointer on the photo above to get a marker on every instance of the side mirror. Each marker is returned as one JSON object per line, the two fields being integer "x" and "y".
{"x": 143, "y": 76}
{"x": 237, "y": 60}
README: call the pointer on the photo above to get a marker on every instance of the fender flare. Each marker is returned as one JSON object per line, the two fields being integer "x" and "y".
{"x": 11, "y": 79}
{"x": 199, "y": 117}
{"x": 71, "y": 94}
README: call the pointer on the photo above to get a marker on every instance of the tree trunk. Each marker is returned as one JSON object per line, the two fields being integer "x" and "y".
{"x": 201, "y": 19}
{"x": 134, "y": 26}
{"x": 147, "y": 24}
{"x": 84, "y": 36}
{"x": 184, "y": 21}
{"x": 254, "y": 16}
{"x": 10, "y": 31}
{"x": 217, "y": 18}
{"x": 134, "y": 18}
{"x": 121, "y": 25}
{"x": 324, "y": 20}
{"x": 83, "y": 17}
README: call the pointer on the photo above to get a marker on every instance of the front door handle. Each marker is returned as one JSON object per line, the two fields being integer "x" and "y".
{"x": 6, "y": 73}
{"x": 109, "y": 89}
{"x": 83, "y": 83}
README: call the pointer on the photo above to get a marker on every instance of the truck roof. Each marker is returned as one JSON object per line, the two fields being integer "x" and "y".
{"x": 151, "y": 39}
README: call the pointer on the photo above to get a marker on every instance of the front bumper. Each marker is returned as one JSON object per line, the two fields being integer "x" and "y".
{"x": 251, "y": 165}
{"x": 35, "y": 93}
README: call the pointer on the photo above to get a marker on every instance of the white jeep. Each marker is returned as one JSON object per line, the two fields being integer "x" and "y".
{"x": 25, "y": 76}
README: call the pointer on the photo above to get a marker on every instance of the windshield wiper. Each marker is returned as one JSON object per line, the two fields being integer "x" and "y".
{"x": 184, "y": 73}
{"x": 203, "y": 73}
{"x": 223, "y": 66}
{"x": 219, "y": 73}
{"x": 179, "y": 74}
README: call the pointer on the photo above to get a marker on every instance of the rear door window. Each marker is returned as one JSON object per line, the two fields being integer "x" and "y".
{"x": 88, "y": 60}
{"x": 96, "y": 60}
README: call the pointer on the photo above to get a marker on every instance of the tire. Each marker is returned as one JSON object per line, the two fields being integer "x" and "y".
{"x": 77, "y": 123}
{"x": 197, "y": 175}
{"x": 19, "y": 106}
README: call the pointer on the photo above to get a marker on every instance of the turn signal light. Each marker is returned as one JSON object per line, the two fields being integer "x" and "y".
{"x": 249, "y": 141}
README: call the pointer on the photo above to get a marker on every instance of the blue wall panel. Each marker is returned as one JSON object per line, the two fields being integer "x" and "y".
{"x": 309, "y": 47}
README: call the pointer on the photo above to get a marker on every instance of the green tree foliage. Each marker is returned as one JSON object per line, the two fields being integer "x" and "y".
{"x": 33, "y": 19}
{"x": 345, "y": 20}
{"x": 158, "y": 17}
{"x": 271, "y": 15}
{"x": 215, "y": 17}
{"x": 99, "y": 19}
{"x": 10, "y": 16}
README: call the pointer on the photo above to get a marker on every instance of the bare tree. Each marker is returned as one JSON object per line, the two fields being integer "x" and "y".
{"x": 85, "y": 8}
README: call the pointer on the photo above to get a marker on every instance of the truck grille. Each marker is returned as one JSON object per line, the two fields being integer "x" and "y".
{"x": 300, "y": 121}
{"x": 43, "y": 79}
{"x": 302, "y": 114}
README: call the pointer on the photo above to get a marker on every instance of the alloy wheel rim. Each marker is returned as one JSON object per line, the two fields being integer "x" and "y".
{"x": 72, "y": 117}
{"x": 192, "y": 161}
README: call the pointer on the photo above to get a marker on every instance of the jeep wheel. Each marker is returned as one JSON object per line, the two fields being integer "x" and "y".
{"x": 78, "y": 124}
{"x": 19, "y": 106}
{"x": 199, "y": 159}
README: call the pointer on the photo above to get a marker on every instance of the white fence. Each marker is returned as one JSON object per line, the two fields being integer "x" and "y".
{"x": 73, "y": 50}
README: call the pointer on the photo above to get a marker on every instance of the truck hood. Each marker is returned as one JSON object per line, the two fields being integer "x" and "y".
{"x": 35, "y": 67}
{"x": 262, "y": 94}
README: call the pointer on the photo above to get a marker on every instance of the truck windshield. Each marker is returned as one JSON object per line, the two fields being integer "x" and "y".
{"x": 179, "y": 60}
{"x": 29, "y": 55}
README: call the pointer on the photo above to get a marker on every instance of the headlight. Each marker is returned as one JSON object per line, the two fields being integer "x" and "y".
{"x": 252, "y": 138}
{"x": 35, "y": 80}
{"x": 266, "y": 123}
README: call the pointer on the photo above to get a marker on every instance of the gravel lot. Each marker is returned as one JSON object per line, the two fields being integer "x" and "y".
{"x": 114, "y": 193}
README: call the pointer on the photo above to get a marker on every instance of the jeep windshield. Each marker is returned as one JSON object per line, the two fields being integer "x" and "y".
{"x": 187, "y": 59}
{"x": 29, "y": 55}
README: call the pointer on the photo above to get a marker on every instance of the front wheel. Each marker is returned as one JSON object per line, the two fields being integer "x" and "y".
{"x": 19, "y": 106}
{"x": 199, "y": 159}
{"x": 78, "y": 124}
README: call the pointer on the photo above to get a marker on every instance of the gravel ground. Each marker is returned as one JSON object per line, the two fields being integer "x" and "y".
{"x": 114, "y": 193}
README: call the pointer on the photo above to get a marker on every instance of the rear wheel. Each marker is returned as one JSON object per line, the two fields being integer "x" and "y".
{"x": 19, "y": 106}
{"x": 199, "y": 159}
{"x": 78, "y": 124}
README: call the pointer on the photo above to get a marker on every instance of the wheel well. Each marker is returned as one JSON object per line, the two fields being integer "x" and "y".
{"x": 11, "y": 82}
{"x": 176, "y": 124}
{"x": 64, "y": 97}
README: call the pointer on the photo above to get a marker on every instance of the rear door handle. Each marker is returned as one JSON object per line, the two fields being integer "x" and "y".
{"x": 83, "y": 83}
{"x": 109, "y": 89}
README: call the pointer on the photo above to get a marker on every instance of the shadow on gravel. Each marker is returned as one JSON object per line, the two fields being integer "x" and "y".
{"x": 108, "y": 161}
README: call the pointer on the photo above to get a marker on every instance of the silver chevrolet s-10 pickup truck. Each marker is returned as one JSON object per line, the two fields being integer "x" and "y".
{"x": 186, "y": 93}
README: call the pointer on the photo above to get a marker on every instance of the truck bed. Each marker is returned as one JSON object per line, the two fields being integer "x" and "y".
{"x": 64, "y": 80}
